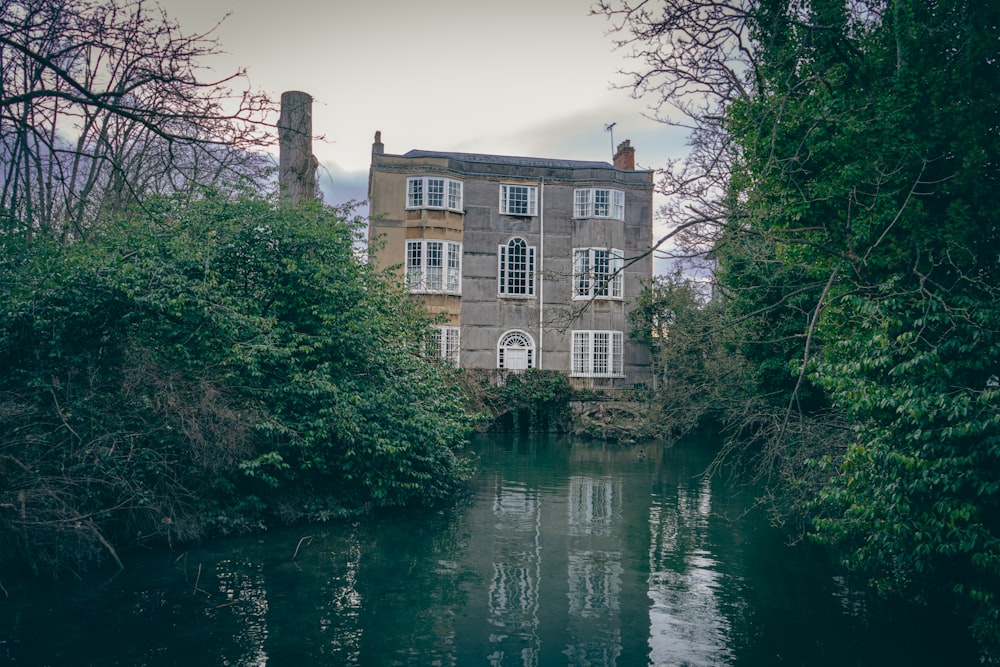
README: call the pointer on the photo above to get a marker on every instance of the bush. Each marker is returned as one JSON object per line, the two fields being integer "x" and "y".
{"x": 204, "y": 367}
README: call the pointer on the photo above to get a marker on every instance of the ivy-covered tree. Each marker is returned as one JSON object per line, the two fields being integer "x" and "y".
{"x": 860, "y": 156}
{"x": 206, "y": 366}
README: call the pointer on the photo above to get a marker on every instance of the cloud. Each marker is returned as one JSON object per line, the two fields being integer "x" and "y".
{"x": 340, "y": 186}
{"x": 582, "y": 136}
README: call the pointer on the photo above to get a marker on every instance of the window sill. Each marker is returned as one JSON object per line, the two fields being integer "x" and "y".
{"x": 460, "y": 211}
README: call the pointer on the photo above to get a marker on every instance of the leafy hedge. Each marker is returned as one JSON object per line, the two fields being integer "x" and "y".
{"x": 208, "y": 366}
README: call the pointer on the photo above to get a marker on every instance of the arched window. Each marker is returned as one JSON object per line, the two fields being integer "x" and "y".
{"x": 516, "y": 351}
{"x": 516, "y": 268}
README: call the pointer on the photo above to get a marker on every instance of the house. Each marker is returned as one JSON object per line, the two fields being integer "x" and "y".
{"x": 534, "y": 262}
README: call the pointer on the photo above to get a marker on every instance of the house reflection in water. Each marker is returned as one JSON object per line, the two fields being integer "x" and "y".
{"x": 594, "y": 570}
{"x": 597, "y": 559}
{"x": 598, "y": 570}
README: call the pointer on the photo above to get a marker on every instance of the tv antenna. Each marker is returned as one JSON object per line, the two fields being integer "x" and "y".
{"x": 610, "y": 127}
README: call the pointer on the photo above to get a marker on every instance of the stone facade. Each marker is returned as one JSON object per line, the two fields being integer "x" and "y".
{"x": 561, "y": 238}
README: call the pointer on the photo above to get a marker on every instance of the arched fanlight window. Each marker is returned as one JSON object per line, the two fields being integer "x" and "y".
{"x": 516, "y": 268}
{"x": 516, "y": 351}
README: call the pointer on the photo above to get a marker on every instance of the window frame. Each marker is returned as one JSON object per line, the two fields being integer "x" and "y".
{"x": 446, "y": 276}
{"x": 597, "y": 353}
{"x": 503, "y": 343}
{"x": 588, "y": 283}
{"x": 530, "y": 200}
{"x": 448, "y": 193}
{"x": 523, "y": 277}
{"x": 586, "y": 203}
{"x": 448, "y": 341}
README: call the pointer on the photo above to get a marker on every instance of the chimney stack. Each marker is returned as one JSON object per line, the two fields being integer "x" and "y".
{"x": 378, "y": 148}
{"x": 625, "y": 156}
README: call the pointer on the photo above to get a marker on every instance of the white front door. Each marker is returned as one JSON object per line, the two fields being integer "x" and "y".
{"x": 515, "y": 358}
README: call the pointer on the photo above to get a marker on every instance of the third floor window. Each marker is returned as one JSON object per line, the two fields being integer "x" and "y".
{"x": 599, "y": 203}
{"x": 519, "y": 200}
{"x": 432, "y": 192}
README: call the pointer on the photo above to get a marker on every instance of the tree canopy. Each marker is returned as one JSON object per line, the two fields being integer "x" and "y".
{"x": 206, "y": 367}
{"x": 847, "y": 152}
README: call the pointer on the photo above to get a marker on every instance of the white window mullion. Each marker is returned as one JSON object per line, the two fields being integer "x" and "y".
{"x": 581, "y": 353}
{"x": 454, "y": 268}
{"x": 597, "y": 353}
{"x": 414, "y": 192}
{"x": 414, "y": 265}
{"x": 531, "y": 270}
{"x": 502, "y": 269}
{"x": 599, "y": 203}
{"x": 581, "y": 271}
{"x": 617, "y": 353}
{"x": 617, "y": 270}
{"x": 434, "y": 192}
{"x": 455, "y": 195}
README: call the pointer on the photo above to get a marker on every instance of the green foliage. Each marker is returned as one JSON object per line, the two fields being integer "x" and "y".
{"x": 843, "y": 174}
{"x": 543, "y": 396}
{"x": 538, "y": 397}
{"x": 692, "y": 366}
{"x": 207, "y": 352}
{"x": 863, "y": 264}
{"x": 916, "y": 501}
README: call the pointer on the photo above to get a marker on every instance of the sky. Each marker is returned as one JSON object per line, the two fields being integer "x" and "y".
{"x": 537, "y": 78}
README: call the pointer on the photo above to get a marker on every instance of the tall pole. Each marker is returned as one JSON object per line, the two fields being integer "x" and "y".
{"x": 296, "y": 162}
{"x": 610, "y": 127}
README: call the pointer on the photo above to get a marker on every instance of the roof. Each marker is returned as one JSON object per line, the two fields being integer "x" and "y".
{"x": 513, "y": 160}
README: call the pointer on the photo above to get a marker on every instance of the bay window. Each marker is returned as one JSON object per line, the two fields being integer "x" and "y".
{"x": 597, "y": 354}
{"x": 432, "y": 192}
{"x": 599, "y": 203}
{"x": 434, "y": 266}
{"x": 597, "y": 273}
{"x": 444, "y": 343}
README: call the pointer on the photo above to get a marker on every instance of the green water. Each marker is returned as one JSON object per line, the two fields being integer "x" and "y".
{"x": 565, "y": 553}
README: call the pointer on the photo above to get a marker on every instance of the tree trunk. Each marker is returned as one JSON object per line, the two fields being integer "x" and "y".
{"x": 296, "y": 163}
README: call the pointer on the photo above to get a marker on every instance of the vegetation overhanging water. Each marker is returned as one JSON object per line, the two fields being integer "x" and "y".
{"x": 566, "y": 552}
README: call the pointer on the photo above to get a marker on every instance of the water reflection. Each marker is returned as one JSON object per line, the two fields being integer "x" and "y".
{"x": 594, "y": 569}
{"x": 687, "y": 626}
{"x": 514, "y": 588}
{"x": 242, "y": 588}
{"x": 568, "y": 553}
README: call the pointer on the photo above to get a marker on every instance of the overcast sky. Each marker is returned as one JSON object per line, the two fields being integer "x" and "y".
{"x": 523, "y": 77}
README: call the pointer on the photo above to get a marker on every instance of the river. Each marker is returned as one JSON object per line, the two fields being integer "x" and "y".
{"x": 566, "y": 552}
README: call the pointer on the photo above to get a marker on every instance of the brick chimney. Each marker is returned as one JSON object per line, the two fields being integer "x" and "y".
{"x": 625, "y": 156}
{"x": 378, "y": 148}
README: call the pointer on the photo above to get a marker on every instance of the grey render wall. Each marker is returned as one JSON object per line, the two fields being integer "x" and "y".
{"x": 485, "y": 315}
